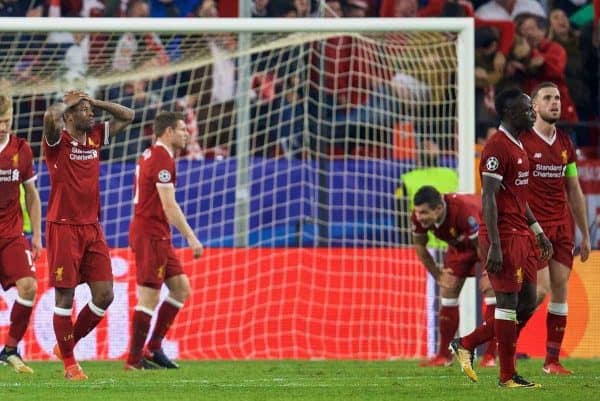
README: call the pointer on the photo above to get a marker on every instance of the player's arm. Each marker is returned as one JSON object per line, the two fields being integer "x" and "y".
{"x": 166, "y": 193}
{"x": 34, "y": 208}
{"x": 53, "y": 122}
{"x": 121, "y": 116}
{"x": 577, "y": 205}
{"x": 420, "y": 244}
{"x": 542, "y": 241}
{"x": 490, "y": 185}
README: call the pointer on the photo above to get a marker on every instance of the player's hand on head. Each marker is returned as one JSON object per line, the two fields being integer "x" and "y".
{"x": 494, "y": 259}
{"x": 545, "y": 246}
{"x": 72, "y": 97}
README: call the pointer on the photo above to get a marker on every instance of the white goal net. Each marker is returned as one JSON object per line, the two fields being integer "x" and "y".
{"x": 299, "y": 142}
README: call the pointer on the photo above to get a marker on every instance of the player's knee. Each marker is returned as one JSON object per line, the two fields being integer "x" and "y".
{"x": 182, "y": 292}
{"x": 103, "y": 298}
{"x": 27, "y": 288}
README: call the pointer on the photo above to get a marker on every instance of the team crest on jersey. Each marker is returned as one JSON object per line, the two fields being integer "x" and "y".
{"x": 92, "y": 144}
{"x": 164, "y": 176}
{"x": 519, "y": 275}
{"x": 492, "y": 163}
{"x": 453, "y": 231}
{"x": 563, "y": 155}
{"x": 15, "y": 160}
{"x": 58, "y": 273}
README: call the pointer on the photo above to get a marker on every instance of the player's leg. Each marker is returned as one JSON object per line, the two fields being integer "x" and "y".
{"x": 148, "y": 298}
{"x": 96, "y": 271}
{"x": 65, "y": 249}
{"x": 448, "y": 318}
{"x": 488, "y": 358}
{"x": 179, "y": 291}
{"x": 17, "y": 269}
{"x": 556, "y": 319}
{"x": 543, "y": 283}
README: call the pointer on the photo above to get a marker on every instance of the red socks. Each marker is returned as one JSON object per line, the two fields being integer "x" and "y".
{"x": 139, "y": 331}
{"x": 506, "y": 336}
{"x": 88, "y": 318}
{"x": 166, "y": 315}
{"x": 19, "y": 320}
{"x": 448, "y": 317}
{"x": 556, "y": 321}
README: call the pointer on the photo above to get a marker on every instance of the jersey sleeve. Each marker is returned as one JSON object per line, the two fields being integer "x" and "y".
{"x": 416, "y": 227}
{"x": 493, "y": 161}
{"x": 26, "y": 163}
{"x": 162, "y": 170}
{"x": 468, "y": 222}
{"x": 99, "y": 134}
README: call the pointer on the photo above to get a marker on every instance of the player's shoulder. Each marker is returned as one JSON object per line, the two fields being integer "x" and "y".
{"x": 562, "y": 136}
{"x": 20, "y": 144}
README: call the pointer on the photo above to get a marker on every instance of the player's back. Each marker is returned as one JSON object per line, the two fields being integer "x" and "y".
{"x": 16, "y": 166}
{"x": 504, "y": 158}
{"x": 74, "y": 170}
{"x": 548, "y": 158}
{"x": 155, "y": 168}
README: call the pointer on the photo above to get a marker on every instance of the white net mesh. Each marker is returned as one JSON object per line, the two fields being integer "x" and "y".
{"x": 334, "y": 121}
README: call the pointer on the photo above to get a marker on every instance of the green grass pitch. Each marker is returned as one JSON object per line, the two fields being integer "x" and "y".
{"x": 295, "y": 380}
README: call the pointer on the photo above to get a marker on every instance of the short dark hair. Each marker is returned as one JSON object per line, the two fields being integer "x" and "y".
{"x": 428, "y": 195}
{"x": 505, "y": 97}
{"x": 166, "y": 119}
{"x": 541, "y": 86}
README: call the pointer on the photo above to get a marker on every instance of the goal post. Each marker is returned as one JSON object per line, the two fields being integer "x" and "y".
{"x": 290, "y": 180}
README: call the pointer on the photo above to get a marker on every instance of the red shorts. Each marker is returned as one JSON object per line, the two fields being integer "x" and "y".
{"x": 155, "y": 260}
{"x": 519, "y": 262}
{"x": 562, "y": 238}
{"x": 462, "y": 263}
{"x": 16, "y": 261}
{"x": 77, "y": 254}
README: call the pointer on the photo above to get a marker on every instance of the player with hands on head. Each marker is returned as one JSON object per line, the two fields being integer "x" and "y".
{"x": 150, "y": 239}
{"x": 16, "y": 256}
{"x": 77, "y": 250}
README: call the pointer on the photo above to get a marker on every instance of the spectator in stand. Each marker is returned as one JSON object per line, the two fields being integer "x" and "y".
{"x": 355, "y": 8}
{"x": 173, "y": 8}
{"x": 488, "y": 72}
{"x": 562, "y": 33}
{"x": 509, "y": 9}
{"x": 547, "y": 62}
{"x": 333, "y": 9}
{"x": 129, "y": 43}
{"x": 20, "y": 8}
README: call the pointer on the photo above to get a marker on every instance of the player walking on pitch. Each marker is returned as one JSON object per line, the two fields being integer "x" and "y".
{"x": 150, "y": 240}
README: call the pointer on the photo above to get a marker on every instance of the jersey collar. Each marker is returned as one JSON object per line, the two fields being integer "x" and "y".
{"x": 160, "y": 143}
{"x": 510, "y": 137}
{"x": 550, "y": 141}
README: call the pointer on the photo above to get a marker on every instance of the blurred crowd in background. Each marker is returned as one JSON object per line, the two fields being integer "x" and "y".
{"x": 522, "y": 42}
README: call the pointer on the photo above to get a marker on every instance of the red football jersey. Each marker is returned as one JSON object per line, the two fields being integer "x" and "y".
{"x": 505, "y": 159}
{"x": 156, "y": 167}
{"x": 16, "y": 167}
{"x": 460, "y": 223}
{"x": 74, "y": 170}
{"x": 548, "y": 159}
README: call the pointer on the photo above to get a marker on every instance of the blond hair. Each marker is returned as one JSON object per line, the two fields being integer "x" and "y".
{"x": 6, "y": 107}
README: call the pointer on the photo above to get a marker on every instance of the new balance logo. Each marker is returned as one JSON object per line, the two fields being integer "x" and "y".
{"x": 537, "y": 155}
{"x": 74, "y": 143}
